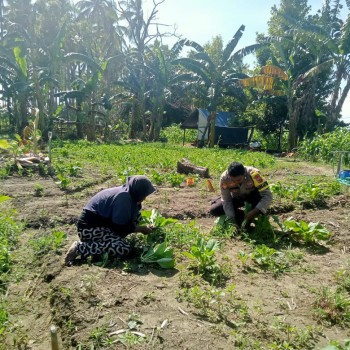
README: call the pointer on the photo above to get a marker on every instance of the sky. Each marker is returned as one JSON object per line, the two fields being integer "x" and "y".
{"x": 201, "y": 20}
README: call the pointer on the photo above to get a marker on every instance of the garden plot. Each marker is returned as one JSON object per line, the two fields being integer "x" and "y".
{"x": 245, "y": 292}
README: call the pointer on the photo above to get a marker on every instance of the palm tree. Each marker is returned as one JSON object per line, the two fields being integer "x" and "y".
{"x": 218, "y": 76}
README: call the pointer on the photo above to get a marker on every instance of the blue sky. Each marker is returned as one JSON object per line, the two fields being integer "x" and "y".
{"x": 201, "y": 20}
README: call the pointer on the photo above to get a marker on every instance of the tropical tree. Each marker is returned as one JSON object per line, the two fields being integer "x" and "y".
{"x": 140, "y": 34}
{"x": 305, "y": 67}
{"x": 219, "y": 74}
{"x": 331, "y": 35}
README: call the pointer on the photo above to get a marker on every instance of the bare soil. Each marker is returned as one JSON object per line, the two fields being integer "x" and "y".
{"x": 84, "y": 297}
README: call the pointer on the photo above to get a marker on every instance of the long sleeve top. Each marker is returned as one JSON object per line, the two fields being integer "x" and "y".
{"x": 119, "y": 207}
{"x": 252, "y": 181}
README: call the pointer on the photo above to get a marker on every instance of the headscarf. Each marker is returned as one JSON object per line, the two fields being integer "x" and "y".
{"x": 139, "y": 187}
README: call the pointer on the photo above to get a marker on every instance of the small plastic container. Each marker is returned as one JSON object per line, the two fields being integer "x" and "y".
{"x": 190, "y": 181}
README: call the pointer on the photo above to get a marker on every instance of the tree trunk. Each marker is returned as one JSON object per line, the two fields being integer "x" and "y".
{"x": 186, "y": 167}
{"x": 133, "y": 118}
{"x": 212, "y": 129}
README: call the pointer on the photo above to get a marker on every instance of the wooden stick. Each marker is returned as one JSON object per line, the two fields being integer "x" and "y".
{"x": 54, "y": 338}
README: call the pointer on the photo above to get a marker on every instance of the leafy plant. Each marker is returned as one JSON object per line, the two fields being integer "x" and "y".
{"x": 155, "y": 219}
{"x": 161, "y": 254}
{"x": 269, "y": 259}
{"x": 175, "y": 179}
{"x": 74, "y": 169}
{"x": 308, "y": 232}
{"x": 224, "y": 227}
{"x": 63, "y": 181}
{"x": 203, "y": 254}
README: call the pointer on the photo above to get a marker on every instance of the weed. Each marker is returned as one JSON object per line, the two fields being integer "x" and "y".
{"x": 74, "y": 169}
{"x": 335, "y": 345}
{"x": 243, "y": 258}
{"x": 3, "y": 317}
{"x": 268, "y": 259}
{"x": 175, "y": 179}
{"x": 38, "y": 190}
{"x": 291, "y": 337}
{"x": 130, "y": 339}
{"x": 51, "y": 242}
{"x": 343, "y": 279}
{"x": 333, "y": 307}
{"x": 217, "y": 304}
{"x": 224, "y": 227}
{"x": 99, "y": 335}
{"x": 90, "y": 283}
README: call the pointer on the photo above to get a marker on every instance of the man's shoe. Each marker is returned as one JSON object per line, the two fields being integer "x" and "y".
{"x": 71, "y": 254}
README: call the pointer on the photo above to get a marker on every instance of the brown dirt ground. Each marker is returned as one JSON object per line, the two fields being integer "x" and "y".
{"x": 80, "y": 298}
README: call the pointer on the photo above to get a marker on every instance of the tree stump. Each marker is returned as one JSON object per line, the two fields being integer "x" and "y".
{"x": 186, "y": 167}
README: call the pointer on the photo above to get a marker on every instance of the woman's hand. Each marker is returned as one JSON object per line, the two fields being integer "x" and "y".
{"x": 145, "y": 229}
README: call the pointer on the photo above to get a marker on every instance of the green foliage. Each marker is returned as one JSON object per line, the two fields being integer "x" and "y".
{"x": 175, "y": 135}
{"x": 48, "y": 242}
{"x": 309, "y": 233}
{"x": 182, "y": 235}
{"x": 271, "y": 141}
{"x": 63, "y": 181}
{"x": 156, "y": 160}
{"x": 3, "y": 318}
{"x": 343, "y": 279}
{"x": 175, "y": 179}
{"x": 154, "y": 218}
{"x": 269, "y": 259}
{"x": 217, "y": 304}
{"x": 38, "y": 190}
{"x": 224, "y": 227}
{"x": 9, "y": 231}
{"x": 321, "y": 147}
{"x": 309, "y": 194}
{"x": 333, "y": 306}
{"x": 162, "y": 254}
{"x": 335, "y": 345}
{"x": 203, "y": 255}
{"x": 32, "y": 133}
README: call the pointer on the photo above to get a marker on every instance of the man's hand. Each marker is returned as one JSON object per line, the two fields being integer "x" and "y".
{"x": 251, "y": 215}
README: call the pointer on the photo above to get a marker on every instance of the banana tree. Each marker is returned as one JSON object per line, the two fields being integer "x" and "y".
{"x": 219, "y": 77}
{"x": 139, "y": 36}
{"x": 16, "y": 84}
{"x": 84, "y": 92}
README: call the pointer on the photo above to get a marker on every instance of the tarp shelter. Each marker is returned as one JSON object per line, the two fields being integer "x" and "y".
{"x": 225, "y": 136}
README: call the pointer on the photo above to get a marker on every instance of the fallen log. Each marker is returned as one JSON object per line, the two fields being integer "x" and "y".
{"x": 186, "y": 167}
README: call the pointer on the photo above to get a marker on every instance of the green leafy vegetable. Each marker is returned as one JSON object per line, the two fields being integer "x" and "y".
{"x": 161, "y": 254}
